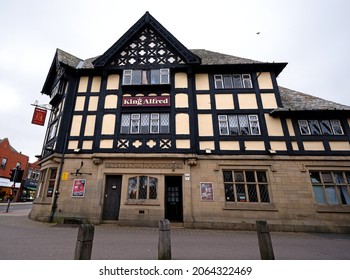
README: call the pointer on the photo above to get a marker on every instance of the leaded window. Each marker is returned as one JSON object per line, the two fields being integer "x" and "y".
{"x": 153, "y": 123}
{"x": 228, "y": 81}
{"x": 239, "y": 125}
{"x": 247, "y": 186}
{"x": 146, "y": 77}
{"x": 331, "y": 187}
{"x": 142, "y": 187}
{"x": 320, "y": 127}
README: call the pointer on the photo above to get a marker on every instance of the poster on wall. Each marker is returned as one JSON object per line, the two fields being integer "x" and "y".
{"x": 207, "y": 193}
{"x": 79, "y": 188}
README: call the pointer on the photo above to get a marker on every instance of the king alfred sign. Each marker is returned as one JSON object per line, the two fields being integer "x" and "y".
{"x": 146, "y": 101}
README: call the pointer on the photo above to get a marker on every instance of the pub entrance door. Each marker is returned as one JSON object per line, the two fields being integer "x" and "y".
{"x": 173, "y": 198}
{"x": 111, "y": 203}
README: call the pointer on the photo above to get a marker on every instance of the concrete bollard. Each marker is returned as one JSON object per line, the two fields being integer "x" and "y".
{"x": 164, "y": 242}
{"x": 264, "y": 238}
{"x": 83, "y": 248}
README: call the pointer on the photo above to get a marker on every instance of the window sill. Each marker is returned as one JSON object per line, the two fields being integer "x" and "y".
{"x": 333, "y": 209}
{"x": 142, "y": 202}
{"x": 246, "y": 206}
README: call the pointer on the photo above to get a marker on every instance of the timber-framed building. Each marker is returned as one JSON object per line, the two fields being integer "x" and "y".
{"x": 152, "y": 130}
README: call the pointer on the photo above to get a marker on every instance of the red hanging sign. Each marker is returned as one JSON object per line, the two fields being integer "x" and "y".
{"x": 39, "y": 116}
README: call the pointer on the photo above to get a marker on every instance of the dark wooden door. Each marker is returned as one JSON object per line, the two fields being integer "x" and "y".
{"x": 111, "y": 203}
{"x": 173, "y": 198}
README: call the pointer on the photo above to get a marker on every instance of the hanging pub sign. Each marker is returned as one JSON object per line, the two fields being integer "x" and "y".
{"x": 39, "y": 116}
{"x": 146, "y": 101}
{"x": 79, "y": 188}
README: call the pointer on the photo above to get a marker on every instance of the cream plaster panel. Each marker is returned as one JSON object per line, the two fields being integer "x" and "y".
{"x": 108, "y": 124}
{"x": 111, "y": 101}
{"x": 182, "y": 124}
{"x": 183, "y": 144}
{"x": 290, "y": 127}
{"x": 96, "y": 84}
{"x": 224, "y": 101}
{"x": 106, "y": 144}
{"x": 295, "y": 146}
{"x": 339, "y": 145}
{"x": 278, "y": 145}
{"x": 181, "y": 100}
{"x": 203, "y": 101}
{"x": 254, "y": 145}
{"x": 247, "y": 101}
{"x": 229, "y": 145}
{"x": 87, "y": 145}
{"x": 181, "y": 80}
{"x": 274, "y": 126}
{"x": 79, "y": 104}
{"x": 264, "y": 80}
{"x": 72, "y": 145}
{"x": 93, "y": 101}
{"x": 202, "y": 82}
{"x": 204, "y": 145}
{"x": 83, "y": 84}
{"x": 313, "y": 146}
{"x": 113, "y": 82}
{"x": 76, "y": 124}
{"x": 268, "y": 100}
{"x": 205, "y": 125}
{"x": 90, "y": 125}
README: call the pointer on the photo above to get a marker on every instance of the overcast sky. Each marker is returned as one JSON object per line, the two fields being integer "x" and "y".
{"x": 312, "y": 36}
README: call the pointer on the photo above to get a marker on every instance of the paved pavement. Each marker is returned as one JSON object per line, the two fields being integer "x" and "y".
{"x": 24, "y": 239}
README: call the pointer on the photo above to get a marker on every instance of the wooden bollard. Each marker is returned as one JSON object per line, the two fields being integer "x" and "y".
{"x": 264, "y": 238}
{"x": 83, "y": 248}
{"x": 164, "y": 242}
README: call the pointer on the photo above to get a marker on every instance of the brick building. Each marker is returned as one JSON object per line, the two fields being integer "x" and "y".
{"x": 151, "y": 130}
{"x": 10, "y": 159}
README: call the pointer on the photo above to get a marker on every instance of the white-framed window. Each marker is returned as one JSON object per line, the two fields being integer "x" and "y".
{"x": 320, "y": 127}
{"x": 228, "y": 81}
{"x": 146, "y": 77}
{"x": 331, "y": 187}
{"x": 153, "y": 123}
{"x": 239, "y": 125}
{"x": 3, "y": 163}
{"x": 247, "y": 186}
{"x": 142, "y": 188}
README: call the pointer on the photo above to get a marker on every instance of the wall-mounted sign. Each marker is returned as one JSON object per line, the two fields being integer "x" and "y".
{"x": 146, "y": 101}
{"x": 206, "y": 190}
{"x": 79, "y": 186}
{"x": 39, "y": 116}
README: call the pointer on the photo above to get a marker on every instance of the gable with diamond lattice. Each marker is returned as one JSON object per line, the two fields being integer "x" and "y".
{"x": 148, "y": 48}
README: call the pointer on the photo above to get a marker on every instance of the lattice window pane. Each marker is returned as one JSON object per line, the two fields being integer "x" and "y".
{"x": 223, "y": 125}
{"x": 155, "y": 76}
{"x": 143, "y": 184}
{"x": 243, "y": 124}
{"x": 125, "y": 124}
{"x": 154, "y": 123}
{"x": 261, "y": 175}
{"x": 250, "y": 176}
{"x": 304, "y": 127}
{"x": 132, "y": 188}
{"x": 252, "y": 193}
{"x": 228, "y": 177}
{"x": 239, "y": 177}
{"x": 229, "y": 193}
{"x": 136, "y": 77}
{"x": 164, "y": 76}
{"x": 254, "y": 124}
{"x": 326, "y": 127}
{"x": 344, "y": 194}
{"x": 164, "y": 123}
{"x": 314, "y": 127}
{"x": 331, "y": 195}
{"x": 218, "y": 81}
{"x": 247, "y": 81}
{"x": 145, "y": 123}
{"x": 264, "y": 193}
{"x": 241, "y": 194}
{"x": 237, "y": 81}
{"x": 153, "y": 182}
{"x": 337, "y": 128}
{"x": 228, "y": 81}
{"x": 233, "y": 124}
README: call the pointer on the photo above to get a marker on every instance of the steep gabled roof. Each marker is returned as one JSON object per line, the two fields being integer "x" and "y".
{"x": 147, "y": 21}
